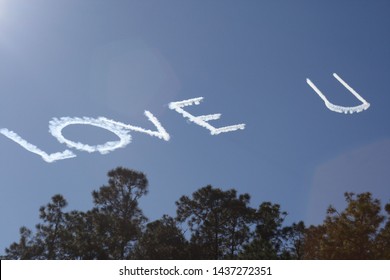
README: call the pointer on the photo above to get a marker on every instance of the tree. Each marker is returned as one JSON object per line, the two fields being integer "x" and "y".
{"x": 351, "y": 234}
{"x": 382, "y": 241}
{"x": 48, "y": 240}
{"x": 84, "y": 241}
{"x": 222, "y": 225}
{"x": 294, "y": 241}
{"x": 218, "y": 220}
{"x": 117, "y": 217}
{"x": 26, "y": 249}
{"x": 162, "y": 240}
{"x": 108, "y": 231}
{"x": 313, "y": 244}
{"x": 52, "y": 231}
{"x": 238, "y": 224}
{"x": 268, "y": 239}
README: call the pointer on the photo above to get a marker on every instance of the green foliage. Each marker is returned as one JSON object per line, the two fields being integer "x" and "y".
{"x": 108, "y": 231}
{"x": 117, "y": 217}
{"x": 218, "y": 220}
{"x": 355, "y": 233}
{"x": 26, "y": 249}
{"x": 382, "y": 242}
{"x": 46, "y": 242}
{"x": 272, "y": 240}
{"x": 162, "y": 240}
{"x": 294, "y": 241}
{"x": 221, "y": 225}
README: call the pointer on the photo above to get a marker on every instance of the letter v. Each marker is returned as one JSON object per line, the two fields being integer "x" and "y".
{"x": 160, "y": 133}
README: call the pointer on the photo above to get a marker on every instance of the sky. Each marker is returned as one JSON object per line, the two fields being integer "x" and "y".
{"x": 249, "y": 60}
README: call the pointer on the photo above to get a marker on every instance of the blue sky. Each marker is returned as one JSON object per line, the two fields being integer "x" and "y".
{"x": 248, "y": 59}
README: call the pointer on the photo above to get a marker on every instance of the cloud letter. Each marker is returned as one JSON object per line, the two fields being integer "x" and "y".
{"x": 202, "y": 120}
{"x": 119, "y": 129}
{"x": 57, "y": 125}
{"x": 160, "y": 133}
{"x": 337, "y": 108}
{"x": 34, "y": 149}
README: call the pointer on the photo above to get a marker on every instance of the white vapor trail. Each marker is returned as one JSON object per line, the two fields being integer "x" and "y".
{"x": 34, "y": 149}
{"x": 202, "y": 120}
{"x": 341, "y": 109}
{"x": 57, "y": 125}
{"x": 160, "y": 133}
{"x": 119, "y": 129}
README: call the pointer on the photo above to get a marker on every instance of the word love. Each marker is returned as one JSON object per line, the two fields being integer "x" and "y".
{"x": 119, "y": 129}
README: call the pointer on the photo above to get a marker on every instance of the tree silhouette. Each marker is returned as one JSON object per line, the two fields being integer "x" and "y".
{"x": 382, "y": 244}
{"x": 162, "y": 240}
{"x": 221, "y": 224}
{"x": 118, "y": 218}
{"x": 350, "y": 234}
{"x": 268, "y": 240}
{"x": 294, "y": 241}
{"x": 27, "y": 249}
{"x": 218, "y": 220}
{"x": 46, "y": 244}
{"x": 108, "y": 231}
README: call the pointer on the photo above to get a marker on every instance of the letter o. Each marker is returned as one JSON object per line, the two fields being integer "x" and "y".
{"x": 57, "y": 125}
